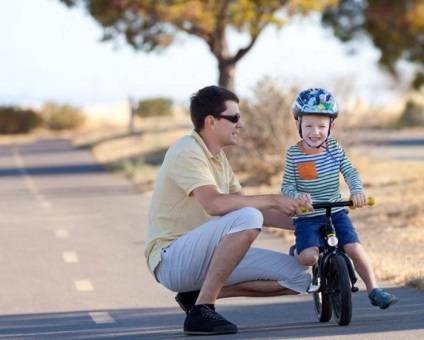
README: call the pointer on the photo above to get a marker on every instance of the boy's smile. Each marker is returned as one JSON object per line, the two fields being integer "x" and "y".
{"x": 315, "y": 130}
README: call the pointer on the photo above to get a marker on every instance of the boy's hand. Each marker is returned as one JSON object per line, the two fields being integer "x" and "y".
{"x": 360, "y": 200}
{"x": 306, "y": 198}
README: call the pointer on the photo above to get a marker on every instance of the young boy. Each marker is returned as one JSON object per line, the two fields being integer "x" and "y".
{"x": 312, "y": 175}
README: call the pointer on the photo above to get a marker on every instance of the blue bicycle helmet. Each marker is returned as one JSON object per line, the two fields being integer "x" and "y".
{"x": 315, "y": 101}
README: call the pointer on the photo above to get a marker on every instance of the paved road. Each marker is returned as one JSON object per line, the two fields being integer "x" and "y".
{"x": 406, "y": 146}
{"x": 72, "y": 265}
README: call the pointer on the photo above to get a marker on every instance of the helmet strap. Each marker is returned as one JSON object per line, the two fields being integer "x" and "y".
{"x": 299, "y": 119}
{"x": 329, "y": 127}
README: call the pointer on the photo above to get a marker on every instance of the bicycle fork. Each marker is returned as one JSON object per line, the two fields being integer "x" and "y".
{"x": 329, "y": 235}
{"x": 324, "y": 262}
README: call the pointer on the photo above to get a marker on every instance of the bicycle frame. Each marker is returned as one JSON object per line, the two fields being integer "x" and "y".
{"x": 333, "y": 275}
{"x": 329, "y": 250}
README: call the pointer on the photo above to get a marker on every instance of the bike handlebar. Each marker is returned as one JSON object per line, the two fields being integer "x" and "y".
{"x": 349, "y": 203}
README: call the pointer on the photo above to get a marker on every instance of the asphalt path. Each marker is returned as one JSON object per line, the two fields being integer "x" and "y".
{"x": 404, "y": 146}
{"x": 72, "y": 265}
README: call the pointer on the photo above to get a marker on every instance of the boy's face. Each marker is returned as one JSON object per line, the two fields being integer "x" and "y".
{"x": 315, "y": 129}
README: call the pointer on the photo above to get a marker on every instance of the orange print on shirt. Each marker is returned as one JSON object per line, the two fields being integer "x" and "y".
{"x": 307, "y": 170}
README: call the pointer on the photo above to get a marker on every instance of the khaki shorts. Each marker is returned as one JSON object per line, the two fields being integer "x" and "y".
{"x": 185, "y": 262}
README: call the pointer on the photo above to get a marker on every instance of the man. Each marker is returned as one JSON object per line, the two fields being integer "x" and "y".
{"x": 201, "y": 224}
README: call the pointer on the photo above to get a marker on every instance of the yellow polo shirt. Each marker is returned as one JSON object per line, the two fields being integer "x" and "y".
{"x": 174, "y": 211}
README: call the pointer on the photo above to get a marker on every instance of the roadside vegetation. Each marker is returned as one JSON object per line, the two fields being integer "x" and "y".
{"x": 51, "y": 117}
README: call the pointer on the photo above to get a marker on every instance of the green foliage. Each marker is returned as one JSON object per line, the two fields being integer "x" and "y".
{"x": 396, "y": 27}
{"x": 154, "y": 25}
{"x": 62, "y": 117}
{"x": 129, "y": 167}
{"x": 154, "y": 107}
{"x": 413, "y": 115}
{"x": 15, "y": 120}
{"x": 268, "y": 130}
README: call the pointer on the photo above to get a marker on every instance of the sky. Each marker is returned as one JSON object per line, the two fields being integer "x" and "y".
{"x": 52, "y": 53}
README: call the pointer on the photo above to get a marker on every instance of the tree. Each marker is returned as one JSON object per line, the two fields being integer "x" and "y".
{"x": 154, "y": 107}
{"x": 61, "y": 116}
{"x": 152, "y": 25}
{"x": 395, "y": 26}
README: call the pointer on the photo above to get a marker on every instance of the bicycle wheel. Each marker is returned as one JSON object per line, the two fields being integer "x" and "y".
{"x": 341, "y": 297}
{"x": 322, "y": 301}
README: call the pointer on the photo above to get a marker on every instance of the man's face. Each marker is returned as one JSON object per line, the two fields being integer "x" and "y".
{"x": 227, "y": 130}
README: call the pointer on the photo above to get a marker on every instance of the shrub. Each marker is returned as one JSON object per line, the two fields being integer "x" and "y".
{"x": 269, "y": 129}
{"x": 413, "y": 115}
{"x": 154, "y": 107}
{"x": 62, "y": 117}
{"x": 14, "y": 120}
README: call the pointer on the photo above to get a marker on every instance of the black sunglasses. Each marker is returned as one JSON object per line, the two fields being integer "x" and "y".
{"x": 232, "y": 118}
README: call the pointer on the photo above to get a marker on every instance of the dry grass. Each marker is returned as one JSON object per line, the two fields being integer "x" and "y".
{"x": 391, "y": 231}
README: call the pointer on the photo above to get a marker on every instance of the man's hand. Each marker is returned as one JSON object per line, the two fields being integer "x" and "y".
{"x": 291, "y": 207}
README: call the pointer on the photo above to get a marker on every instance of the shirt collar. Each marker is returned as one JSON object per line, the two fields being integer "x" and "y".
{"x": 202, "y": 144}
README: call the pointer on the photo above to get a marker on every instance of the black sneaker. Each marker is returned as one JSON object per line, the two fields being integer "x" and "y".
{"x": 187, "y": 300}
{"x": 203, "y": 320}
{"x": 292, "y": 249}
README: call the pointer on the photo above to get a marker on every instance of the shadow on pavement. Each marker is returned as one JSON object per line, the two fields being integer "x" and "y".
{"x": 407, "y": 142}
{"x": 263, "y": 321}
{"x": 53, "y": 170}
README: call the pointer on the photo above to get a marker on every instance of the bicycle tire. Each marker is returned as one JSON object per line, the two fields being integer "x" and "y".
{"x": 341, "y": 297}
{"x": 322, "y": 300}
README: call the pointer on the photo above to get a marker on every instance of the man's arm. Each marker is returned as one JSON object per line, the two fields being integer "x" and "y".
{"x": 273, "y": 218}
{"x": 217, "y": 204}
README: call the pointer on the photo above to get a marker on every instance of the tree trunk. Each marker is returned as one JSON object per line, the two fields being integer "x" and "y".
{"x": 226, "y": 74}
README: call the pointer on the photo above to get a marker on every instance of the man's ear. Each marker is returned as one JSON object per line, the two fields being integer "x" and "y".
{"x": 209, "y": 121}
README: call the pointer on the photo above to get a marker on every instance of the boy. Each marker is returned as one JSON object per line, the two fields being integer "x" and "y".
{"x": 312, "y": 175}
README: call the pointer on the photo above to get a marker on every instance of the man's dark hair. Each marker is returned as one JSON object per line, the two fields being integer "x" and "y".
{"x": 209, "y": 101}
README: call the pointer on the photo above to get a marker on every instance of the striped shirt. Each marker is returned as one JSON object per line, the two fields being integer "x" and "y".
{"x": 316, "y": 172}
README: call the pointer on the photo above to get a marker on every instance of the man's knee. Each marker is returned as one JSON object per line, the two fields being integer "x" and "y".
{"x": 244, "y": 220}
{"x": 251, "y": 218}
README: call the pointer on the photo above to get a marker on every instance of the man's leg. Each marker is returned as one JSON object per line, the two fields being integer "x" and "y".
{"x": 218, "y": 253}
{"x": 263, "y": 288}
{"x": 227, "y": 256}
{"x": 261, "y": 273}
{"x": 186, "y": 263}
{"x": 231, "y": 249}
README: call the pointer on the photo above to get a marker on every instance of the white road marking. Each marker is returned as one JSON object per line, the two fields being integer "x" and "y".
{"x": 70, "y": 257}
{"x": 32, "y": 187}
{"x": 61, "y": 233}
{"x": 101, "y": 317}
{"x": 83, "y": 285}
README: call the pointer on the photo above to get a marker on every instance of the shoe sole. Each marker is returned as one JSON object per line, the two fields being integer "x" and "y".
{"x": 313, "y": 289}
{"x": 391, "y": 303}
{"x": 210, "y": 333}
